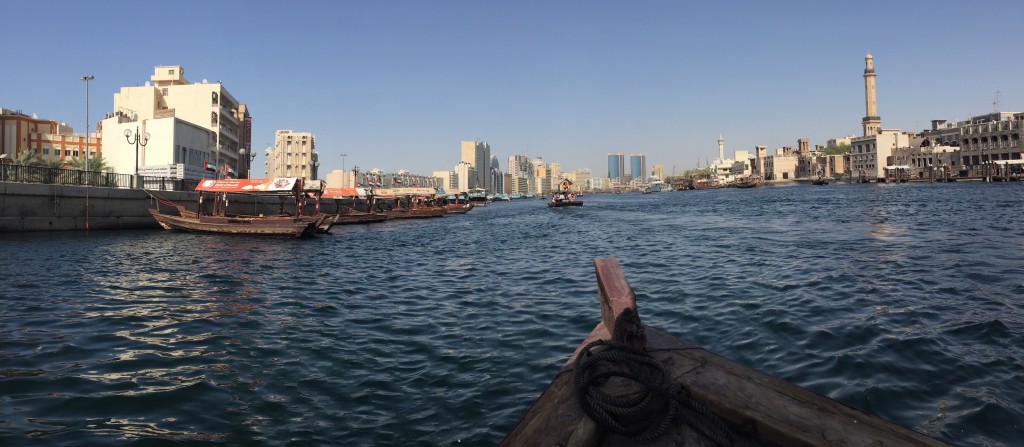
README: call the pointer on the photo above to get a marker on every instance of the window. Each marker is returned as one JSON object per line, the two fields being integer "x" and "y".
{"x": 76, "y": 153}
{"x": 170, "y": 72}
{"x": 46, "y": 151}
{"x": 164, "y": 91}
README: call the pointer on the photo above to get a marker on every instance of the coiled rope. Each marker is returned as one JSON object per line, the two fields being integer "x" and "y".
{"x": 648, "y": 413}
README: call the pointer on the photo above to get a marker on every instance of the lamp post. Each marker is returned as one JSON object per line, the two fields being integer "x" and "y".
{"x": 248, "y": 166}
{"x": 343, "y": 168}
{"x": 87, "y": 78}
{"x": 144, "y": 139}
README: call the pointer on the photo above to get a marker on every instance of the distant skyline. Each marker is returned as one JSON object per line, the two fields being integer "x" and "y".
{"x": 399, "y": 84}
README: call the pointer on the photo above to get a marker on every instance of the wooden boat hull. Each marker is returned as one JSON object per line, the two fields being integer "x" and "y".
{"x": 564, "y": 203}
{"x": 458, "y": 209}
{"x": 415, "y": 213}
{"x": 271, "y": 226}
{"x": 358, "y": 218}
{"x": 752, "y": 407}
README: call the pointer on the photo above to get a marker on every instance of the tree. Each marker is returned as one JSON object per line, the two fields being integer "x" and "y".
{"x": 837, "y": 149}
{"x": 28, "y": 158}
{"x": 96, "y": 164}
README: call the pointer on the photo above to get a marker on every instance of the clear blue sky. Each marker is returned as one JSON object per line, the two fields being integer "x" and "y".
{"x": 397, "y": 84}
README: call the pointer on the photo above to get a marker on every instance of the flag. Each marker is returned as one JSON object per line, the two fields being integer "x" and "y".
{"x": 209, "y": 166}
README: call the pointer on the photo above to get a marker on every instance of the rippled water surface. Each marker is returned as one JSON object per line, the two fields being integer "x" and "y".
{"x": 904, "y": 301}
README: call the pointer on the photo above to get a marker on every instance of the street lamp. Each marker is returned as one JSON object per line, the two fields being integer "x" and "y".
{"x": 87, "y": 78}
{"x": 248, "y": 166}
{"x": 343, "y": 169}
{"x": 136, "y": 142}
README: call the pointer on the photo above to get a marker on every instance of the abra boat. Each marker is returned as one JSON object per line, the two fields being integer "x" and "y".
{"x": 630, "y": 384}
{"x": 563, "y": 196}
{"x": 219, "y": 220}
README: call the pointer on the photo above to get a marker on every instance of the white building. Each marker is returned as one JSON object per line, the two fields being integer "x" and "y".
{"x": 203, "y": 104}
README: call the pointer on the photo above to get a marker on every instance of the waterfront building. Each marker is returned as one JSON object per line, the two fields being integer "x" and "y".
{"x": 542, "y": 177}
{"x": 727, "y": 170}
{"x": 781, "y": 165}
{"x": 50, "y": 140}
{"x": 581, "y": 179}
{"x": 168, "y": 147}
{"x": 616, "y": 167}
{"x": 465, "y": 175}
{"x": 658, "y": 171}
{"x": 521, "y": 171}
{"x": 966, "y": 147}
{"x": 497, "y": 177}
{"x": 447, "y": 180}
{"x": 204, "y": 104}
{"x": 293, "y": 155}
{"x": 638, "y": 167}
{"x": 869, "y": 155}
{"x": 478, "y": 155}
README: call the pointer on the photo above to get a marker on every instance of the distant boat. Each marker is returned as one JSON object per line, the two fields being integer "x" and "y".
{"x": 820, "y": 181}
{"x": 564, "y": 197}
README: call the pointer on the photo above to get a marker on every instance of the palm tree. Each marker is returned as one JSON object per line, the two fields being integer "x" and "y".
{"x": 96, "y": 164}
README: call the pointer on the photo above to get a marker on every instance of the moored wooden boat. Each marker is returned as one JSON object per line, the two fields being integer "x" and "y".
{"x": 721, "y": 402}
{"x": 414, "y": 213}
{"x": 218, "y": 220}
{"x": 350, "y": 217}
{"x": 453, "y": 208}
{"x": 269, "y": 226}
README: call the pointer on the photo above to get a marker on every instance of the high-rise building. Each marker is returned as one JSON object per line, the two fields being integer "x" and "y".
{"x": 521, "y": 170}
{"x": 616, "y": 167}
{"x": 478, "y": 155}
{"x": 638, "y": 167}
{"x": 293, "y": 155}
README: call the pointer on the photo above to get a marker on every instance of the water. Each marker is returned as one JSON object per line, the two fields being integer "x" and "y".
{"x": 902, "y": 300}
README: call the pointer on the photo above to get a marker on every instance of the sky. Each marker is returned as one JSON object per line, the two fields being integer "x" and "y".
{"x": 398, "y": 84}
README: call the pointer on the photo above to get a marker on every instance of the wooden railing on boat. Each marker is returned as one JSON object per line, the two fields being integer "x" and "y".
{"x": 757, "y": 408}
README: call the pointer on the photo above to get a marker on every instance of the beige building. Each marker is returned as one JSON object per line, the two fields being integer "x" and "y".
{"x": 478, "y": 155}
{"x": 781, "y": 166}
{"x": 658, "y": 171}
{"x": 203, "y": 105}
{"x": 50, "y": 140}
{"x": 293, "y": 155}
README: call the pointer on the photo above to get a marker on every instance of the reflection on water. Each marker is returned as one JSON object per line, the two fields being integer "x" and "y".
{"x": 894, "y": 299}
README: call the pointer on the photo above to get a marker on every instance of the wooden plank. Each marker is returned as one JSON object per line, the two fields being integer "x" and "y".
{"x": 616, "y": 297}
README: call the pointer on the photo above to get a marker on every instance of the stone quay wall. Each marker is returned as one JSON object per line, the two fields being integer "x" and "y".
{"x": 26, "y": 207}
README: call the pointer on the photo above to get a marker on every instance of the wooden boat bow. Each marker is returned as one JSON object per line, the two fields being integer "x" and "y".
{"x": 757, "y": 409}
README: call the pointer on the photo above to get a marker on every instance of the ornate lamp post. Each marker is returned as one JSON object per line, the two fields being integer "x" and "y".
{"x": 144, "y": 139}
{"x": 248, "y": 164}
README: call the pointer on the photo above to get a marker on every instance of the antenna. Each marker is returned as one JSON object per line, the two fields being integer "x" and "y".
{"x": 995, "y": 104}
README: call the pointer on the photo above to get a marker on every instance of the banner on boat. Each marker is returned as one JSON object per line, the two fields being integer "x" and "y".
{"x": 243, "y": 185}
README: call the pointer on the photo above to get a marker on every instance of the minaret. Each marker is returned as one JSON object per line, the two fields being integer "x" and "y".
{"x": 872, "y": 122}
{"x": 721, "y": 148}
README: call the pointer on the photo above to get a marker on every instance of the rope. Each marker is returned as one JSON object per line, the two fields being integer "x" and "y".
{"x": 647, "y": 414}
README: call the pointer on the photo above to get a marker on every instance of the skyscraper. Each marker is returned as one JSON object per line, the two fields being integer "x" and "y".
{"x": 616, "y": 166}
{"x": 478, "y": 155}
{"x": 638, "y": 167}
